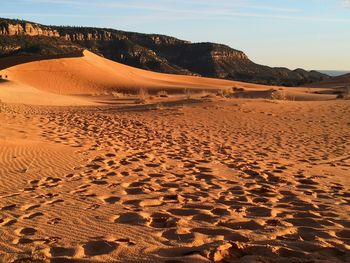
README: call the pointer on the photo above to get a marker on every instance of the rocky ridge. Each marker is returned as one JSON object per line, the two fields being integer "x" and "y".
{"x": 147, "y": 51}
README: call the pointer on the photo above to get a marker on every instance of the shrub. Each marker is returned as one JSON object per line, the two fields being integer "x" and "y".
{"x": 162, "y": 94}
{"x": 143, "y": 96}
{"x": 278, "y": 95}
{"x": 206, "y": 95}
{"x": 344, "y": 93}
{"x": 225, "y": 93}
{"x": 159, "y": 106}
{"x": 188, "y": 94}
{"x": 238, "y": 89}
{"x": 2, "y": 106}
{"x": 230, "y": 92}
{"x": 118, "y": 94}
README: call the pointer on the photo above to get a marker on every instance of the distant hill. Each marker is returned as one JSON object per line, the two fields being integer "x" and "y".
{"x": 335, "y": 82}
{"x": 147, "y": 51}
{"x": 334, "y": 73}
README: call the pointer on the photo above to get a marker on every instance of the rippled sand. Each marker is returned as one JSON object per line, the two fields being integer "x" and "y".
{"x": 239, "y": 180}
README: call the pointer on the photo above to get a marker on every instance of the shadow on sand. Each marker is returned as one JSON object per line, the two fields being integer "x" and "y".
{"x": 108, "y": 105}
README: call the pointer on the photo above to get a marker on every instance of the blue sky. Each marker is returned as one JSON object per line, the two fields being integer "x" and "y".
{"x": 312, "y": 34}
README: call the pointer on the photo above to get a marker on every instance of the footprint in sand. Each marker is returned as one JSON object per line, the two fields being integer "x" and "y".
{"x": 345, "y": 234}
{"x": 49, "y": 182}
{"x": 137, "y": 191}
{"x": 54, "y": 221}
{"x": 248, "y": 225}
{"x": 52, "y": 240}
{"x": 48, "y": 196}
{"x": 9, "y": 207}
{"x": 125, "y": 241}
{"x": 183, "y": 212}
{"x": 29, "y": 207}
{"x": 131, "y": 218}
{"x": 227, "y": 234}
{"x": 7, "y": 222}
{"x": 109, "y": 199}
{"x": 53, "y": 202}
{"x": 99, "y": 182}
{"x": 26, "y": 231}
{"x": 32, "y": 215}
{"x": 260, "y": 211}
{"x": 60, "y": 252}
{"x": 162, "y": 220}
{"x": 172, "y": 198}
{"x": 132, "y": 204}
{"x": 93, "y": 207}
{"x": 98, "y": 248}
{"x": 22, "y": 241}
{"x": 178, "y": 236}
{"x": 34, "y": 182}
{"x": 221, "y": 211}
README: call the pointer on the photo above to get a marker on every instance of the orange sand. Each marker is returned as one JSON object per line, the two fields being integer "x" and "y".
{"x": 183, "y": 178}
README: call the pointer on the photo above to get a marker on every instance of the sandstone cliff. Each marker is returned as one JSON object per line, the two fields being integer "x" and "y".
{"x": 16, "y": 28}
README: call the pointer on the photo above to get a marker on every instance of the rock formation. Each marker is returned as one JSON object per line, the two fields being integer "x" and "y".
{"x": 148, "y": 51}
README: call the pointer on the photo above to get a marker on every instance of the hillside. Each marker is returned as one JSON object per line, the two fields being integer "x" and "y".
{"x": 335, "y": 82}
{"x": 146, "y": 51}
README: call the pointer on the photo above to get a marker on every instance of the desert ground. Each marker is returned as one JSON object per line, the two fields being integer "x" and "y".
{"x": 100, "y": 162}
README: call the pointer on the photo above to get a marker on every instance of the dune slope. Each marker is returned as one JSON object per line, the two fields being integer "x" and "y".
{"x": 17, "y": 93}
{"x": 92, "y": 73}
{"x": 95, "y": 75}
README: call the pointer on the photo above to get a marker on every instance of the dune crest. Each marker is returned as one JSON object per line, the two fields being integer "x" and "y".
{"x": 92, "y": 73}
{"x": 40, "y": 82}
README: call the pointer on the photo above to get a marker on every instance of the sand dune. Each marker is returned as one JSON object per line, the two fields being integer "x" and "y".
{"x": 92, "y": 73}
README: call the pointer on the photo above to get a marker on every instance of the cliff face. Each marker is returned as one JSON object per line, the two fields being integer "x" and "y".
{"x": 27, "y": 29}
{"x": 148, "y": 51}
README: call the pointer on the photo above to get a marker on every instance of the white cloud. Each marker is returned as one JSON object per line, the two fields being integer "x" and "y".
{"x": 346, "y": 3}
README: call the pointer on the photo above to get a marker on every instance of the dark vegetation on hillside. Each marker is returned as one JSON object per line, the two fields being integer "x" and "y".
{"x": 39, "y": 45}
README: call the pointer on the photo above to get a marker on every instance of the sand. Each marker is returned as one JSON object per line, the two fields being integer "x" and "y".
{"x": 94, "y": 75}
{"x": 16, "y": 93}
{"x": 197, "y": 178}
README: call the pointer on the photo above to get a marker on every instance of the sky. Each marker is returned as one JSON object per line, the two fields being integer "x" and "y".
{"x": 309, "y": 34}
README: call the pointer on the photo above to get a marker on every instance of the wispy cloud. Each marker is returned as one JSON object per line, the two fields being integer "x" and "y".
{"x": 346, "y": 3}
{"x": 158, "y": 5}
{"x": 186, "y": 15}
{"x": 140, "y": 11}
